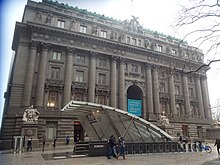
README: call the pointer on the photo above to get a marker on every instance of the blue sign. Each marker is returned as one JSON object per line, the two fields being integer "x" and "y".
{"x": 135, "y": 107}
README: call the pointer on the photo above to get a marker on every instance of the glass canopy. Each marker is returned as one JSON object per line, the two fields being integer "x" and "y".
{"x": 100, "y": 122}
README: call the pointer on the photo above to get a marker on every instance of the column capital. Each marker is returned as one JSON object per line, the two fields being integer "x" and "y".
{"x": 34, "y": 44}
{"x": 93, "y": 54}
{"x": 122, "y": 60}
{"x": 148, "y": 66}
{"x": 114, "y": 58}
{"x": 70, "y": 50}
{"x": 203, "y": 77}
{"x": 45, "y": 46}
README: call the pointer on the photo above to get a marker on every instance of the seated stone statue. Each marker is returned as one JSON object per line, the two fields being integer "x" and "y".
{"x": 163, "y": 120}
{"x": 30, "y": 114}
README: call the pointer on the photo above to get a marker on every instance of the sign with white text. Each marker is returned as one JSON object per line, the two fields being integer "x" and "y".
{"x": 135, "y": 107}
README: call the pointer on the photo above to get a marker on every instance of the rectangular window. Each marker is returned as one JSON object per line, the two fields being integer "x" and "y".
{"x": 162, "y": 88}
{"x": 128, "y": 40}
{"x": 57, "y": 55}
{"x": 134, "y": 41}
{"x": 126, "y": 66}
{"x": 52, "y": 99}
{"x": 185, "y": 129}
{"x": 78, "y": 97}
{"x": 177, "y": 90}
{"x": 102, "y": 79}
{"x": 79, "y": 76}
{"x": 191, "y": 94}
{"x": 103, "y": 34}
{"x": 101, "y": 100}
{"x": 51, "y": 130}
{"x": 134, "y": 68}
{"x": 80, "y": 59}
{"x": 55, "y": 73}
{"x": 139, "y": 42}
{"x": 60, "y": 23}
{"x": 102, "y": 62}
{"x": 160, "y": 48}
{"x": 83, "y": 29}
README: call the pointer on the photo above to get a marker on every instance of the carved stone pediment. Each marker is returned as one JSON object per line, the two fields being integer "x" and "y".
{"x": 79, "y": 85}
{"x": 56, "y": 85}
{"x": 102, "y": 88}
{"x": 52, "y": 82}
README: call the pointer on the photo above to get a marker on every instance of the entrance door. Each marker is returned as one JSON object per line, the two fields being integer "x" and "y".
{"x": 134, "y": 100}
{"x": 78, "y": 132}
{"x": 185, "y": 129}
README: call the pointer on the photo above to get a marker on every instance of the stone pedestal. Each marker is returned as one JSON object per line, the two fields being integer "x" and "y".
{"x": 168, "y": 129}
{"x": 29, "y": 130}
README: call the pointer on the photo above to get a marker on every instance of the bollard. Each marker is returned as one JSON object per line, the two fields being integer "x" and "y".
{"x": 133, "y": 149}
{"x": 184, "y": 147}
{"x": 194, "y": 147}
{"x": 140, "y": 149}
{"x": 189, "y": 147}
{"x": 147, "y": 148}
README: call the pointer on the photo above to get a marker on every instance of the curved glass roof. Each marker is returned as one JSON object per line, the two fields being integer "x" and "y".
{"x": 100, "y": 122}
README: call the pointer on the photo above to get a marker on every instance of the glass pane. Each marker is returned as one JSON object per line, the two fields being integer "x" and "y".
{"x": 50, "y": 133}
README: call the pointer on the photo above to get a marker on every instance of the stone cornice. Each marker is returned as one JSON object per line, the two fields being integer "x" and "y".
{"x": 87, "y": 42}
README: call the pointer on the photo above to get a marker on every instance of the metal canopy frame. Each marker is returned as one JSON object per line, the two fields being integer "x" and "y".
{"x": 101, "y": 121}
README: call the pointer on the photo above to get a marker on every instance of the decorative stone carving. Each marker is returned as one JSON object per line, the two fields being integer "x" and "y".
{"x": 113, "y": 35}
{"x": 48, "y": 18}
{"x": 163, "y": 120}
{"x": 133, "y": 25}
{"x": 153, "y": 46}
{"x": 121, "y": 37}
{"x": 146, "y": 43}
{"x": 168, "y": 50}
{"x": 72, "y": 27}
{"x": 38, "y": 17}
{"x": 215, "y": 124}
{"x": 30, "y": 114}
{"x": 94, "y": 30}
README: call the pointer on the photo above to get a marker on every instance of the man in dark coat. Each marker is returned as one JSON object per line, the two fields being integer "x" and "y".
{"x": 112, "y": 147}
{"x": 217, "y": 143}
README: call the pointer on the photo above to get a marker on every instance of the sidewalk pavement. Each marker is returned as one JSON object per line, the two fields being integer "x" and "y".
{"x": 36, "y": 157}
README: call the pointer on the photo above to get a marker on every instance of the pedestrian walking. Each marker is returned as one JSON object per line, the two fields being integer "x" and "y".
{"x": 54, "y": 142}
{"x": 217, "y": 144}
{"x": 112, "y": 147}
{"x": 121, "y": 142}
{"x": 67, "y": 140}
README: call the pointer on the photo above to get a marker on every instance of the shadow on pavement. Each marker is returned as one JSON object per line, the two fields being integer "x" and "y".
{"x": 213, "y": 162}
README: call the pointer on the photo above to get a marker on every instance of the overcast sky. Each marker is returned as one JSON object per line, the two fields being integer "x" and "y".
{"x": 157, "y": 15}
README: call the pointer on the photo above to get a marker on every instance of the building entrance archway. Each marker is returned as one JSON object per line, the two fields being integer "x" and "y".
{"x": 135, "y": 100}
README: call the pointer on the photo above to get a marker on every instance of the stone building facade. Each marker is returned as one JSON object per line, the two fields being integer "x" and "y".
{"x": 64, "y": 53}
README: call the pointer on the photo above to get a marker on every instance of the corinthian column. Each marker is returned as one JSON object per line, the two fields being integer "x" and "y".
{"x": 68, "y": 76}
{"x": 113, "y": 82}
{"x": 156, "y": 91}
{"x": 205, "y": 95}
{"x": 41, "y": 76}
{"x": 121, "y": 84}
{"x": 29, "y": 75}
{"x": 92, "y": 77}
{"x": 172, "y": 96}
{"x": 149, "y": 90}
{"x": 199, "y": 96}
{"x": 186, "y": 94}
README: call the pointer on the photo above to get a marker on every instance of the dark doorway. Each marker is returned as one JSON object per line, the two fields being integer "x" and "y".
{"x": 134, "y": 100}
{"x": 78, "y": 132}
